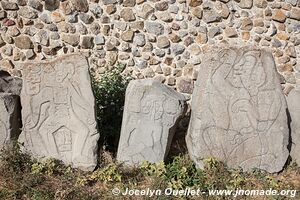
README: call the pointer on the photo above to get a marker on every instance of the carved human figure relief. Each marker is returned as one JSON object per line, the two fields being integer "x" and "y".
{"x": 58, "y": 111}
{"x": 150, "y": 117}
{"x": 239, "y": 111}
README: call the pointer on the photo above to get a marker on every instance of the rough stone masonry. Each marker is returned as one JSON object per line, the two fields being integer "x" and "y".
{"x": 239, "y": 111}
{"x": 58, "y": 111}
{"x": 155, "y": 39}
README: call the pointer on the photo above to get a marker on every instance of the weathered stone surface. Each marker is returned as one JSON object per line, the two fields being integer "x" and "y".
{"x": 10, "y": 84}
{"x": 58, "y": 111}
{"x": 80, "y": 5}
{"x": 150, "y": 117}
{"x": 293, "y": 100}
{"x": 239, "y": 111}
{"x": 246, "y": 4}
{"x": 23, "y": 42}
{"x": 154, "y": 28}
{"x": 10, "y": 123}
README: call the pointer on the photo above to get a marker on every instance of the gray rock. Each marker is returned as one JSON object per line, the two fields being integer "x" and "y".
{"x": 151, "y": 113}
{"x": 163, "y": 42}
{"x": 239, "y": 111}
{"x": 87, "y": 42}
{"x": 246, "y": 4}
{"x": 294, "y": 110}
{"x": 96, "y": 10}
{"x": 99, "y": 40}
{"x": 58, "y": 112}
{"x": 140, "y": 63}
{"x": 72, "y": 39}
{"x": 127, "y": 14}
{"x": 139, "y": 39}
{"x": 210, "y": 16}
{"x": 214, "y": 31}
{"x": 35, "y": 4}
{"x": 10, "y": 121}
{"x": 129, "y": 3}
{"x": 51, "y": 4}
{"x": 154, "y": 28}
{"x": 28, "y": 13}
{"x": 177, "y": 49}
{"x": 108, "y": 2}
{"x": 86, "y": 18}
{"x": 6, "y": 5}
{"x": 23, "y": 42}
{"x": 146, "y": 11}
{"x": 293, "y": 2}
{"x": 80, "y": 5}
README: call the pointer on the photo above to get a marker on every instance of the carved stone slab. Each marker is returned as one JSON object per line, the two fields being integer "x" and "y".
{"x": 293, "y": 101}
{"x": 10, "y": 123}
{"x": 151, "y": 112}
{"x": 58, "y": 111}
{"x": 239, "y": 111}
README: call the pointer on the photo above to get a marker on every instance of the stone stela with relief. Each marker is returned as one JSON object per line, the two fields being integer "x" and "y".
{"x": 150, "y": 117}
{"x": 239, "y": 111}
{"x": 58, "y": 111}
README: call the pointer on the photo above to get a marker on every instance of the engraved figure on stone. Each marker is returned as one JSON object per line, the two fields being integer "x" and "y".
{"x": 239, "y": 84}
{"x": 52, "y": 111}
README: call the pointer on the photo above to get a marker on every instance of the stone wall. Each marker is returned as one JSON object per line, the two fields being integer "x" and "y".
{"x": 161, "y": 39}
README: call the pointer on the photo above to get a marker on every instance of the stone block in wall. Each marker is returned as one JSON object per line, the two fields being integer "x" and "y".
{"x": 150, "y": 116}
{"x": 293, "y": 100}
{"x": 10, "y": 123}
{"x": 58, "y": 111}
{"x": 239, "y": 111}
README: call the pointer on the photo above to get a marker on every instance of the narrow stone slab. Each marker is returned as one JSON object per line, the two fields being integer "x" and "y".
{"x": 58, "y": 111}
{"x": 239, "y": 111}
{"x": 151, "y": 113}
{"x": 10, "y": 119}
{"x": 293, "y": 101}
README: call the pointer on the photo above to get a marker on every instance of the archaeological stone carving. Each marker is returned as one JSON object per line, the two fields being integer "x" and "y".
{"x": 293, "y": 101}
{"x": 58, "y": 111}
{"x": 239, "y": 111}
{"x": 10, "y": 123}
{"x": 151, "y": 113}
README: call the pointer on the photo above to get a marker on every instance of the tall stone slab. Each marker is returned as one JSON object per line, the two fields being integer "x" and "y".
{"x": 58, "y": 111}
{"x": 293, "y": 101}
{"x": 239, "y": 111}
{"x": 10, "y": 123}
{"x": 151, "y": 113}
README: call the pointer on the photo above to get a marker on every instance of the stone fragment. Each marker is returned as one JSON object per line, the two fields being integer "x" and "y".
{"x": 99, "y": 40}
{"x": 278, "y": 15}
{"x": 154, "y": 28}
{"x": 197, "y": 12}
{"x": 6, "y": 5}
{"x": 146, "y": 11}
{"x": 23, "y": 42}
{"x": 247, "y": 24}
{"x": 293, "y": 2}
{"x": 87, "y": 42}
{"x": 139, "y": 39}
{"x": 246, "y": 4}
{"x": 177, "y": 49}
{"x": 80, "y": 5}
{"x": 150, "y": 118}
{"x": 163, "y": 42}
{"x": 295, "y": 14}
{"x": 239, "y": 111}
{"x": 51, "y": 4}
{"x": 127, "y": 14}
{"x": 162, "y": 6}
{"x": 195, "y": 3}
{"x": 28, "y": 13}
{"x": 58, "y": 112}
{"x": 185, "y": 85}
{"x": 210, "y": 16}
{"x": 128, "y": 3}
{"x": 214, "y": 31}
{"x": 108, "y": 2}
{"x": 231, "y": 32}
{"x": 72, "y": 39}
{"x": 10, "y": 118}
{"x": 127, "y": 36}
{"x": 293, "y": 99}
{"x": 260, "y": 3}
